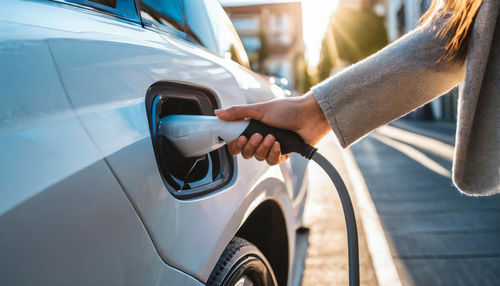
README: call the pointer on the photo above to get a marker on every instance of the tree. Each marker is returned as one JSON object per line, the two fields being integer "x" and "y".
{"x": 263, "y": 51}
{"x": 308, "y": 79}
{"x": 326, "y": 62}
{"x": 352, "y": 35}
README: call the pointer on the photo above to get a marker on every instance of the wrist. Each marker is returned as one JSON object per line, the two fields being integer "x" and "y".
{"x": 315, "y": 115}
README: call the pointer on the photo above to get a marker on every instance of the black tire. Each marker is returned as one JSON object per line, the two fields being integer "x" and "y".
{"x": 242, "y": 260}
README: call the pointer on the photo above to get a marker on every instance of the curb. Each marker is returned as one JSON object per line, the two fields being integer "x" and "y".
{"x": 378, "y": 244}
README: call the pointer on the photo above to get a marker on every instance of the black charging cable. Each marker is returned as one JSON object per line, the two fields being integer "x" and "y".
{"x": 292, "y": 142}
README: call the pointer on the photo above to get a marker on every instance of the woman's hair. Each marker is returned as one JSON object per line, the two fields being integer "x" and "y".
{"x": 458, "y": 17}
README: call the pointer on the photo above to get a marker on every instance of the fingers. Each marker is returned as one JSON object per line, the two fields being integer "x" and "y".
{"x": 237, "y": 145}
{"x": 274, "y": 155}
{"x": 264, "y": 148}
{"x": 250, "y": 148}
{"x": 283, "y": 158}
{"x": 239, "y": 112}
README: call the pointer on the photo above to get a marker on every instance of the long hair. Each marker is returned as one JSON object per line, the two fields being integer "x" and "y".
{"x": 458, "y": 17}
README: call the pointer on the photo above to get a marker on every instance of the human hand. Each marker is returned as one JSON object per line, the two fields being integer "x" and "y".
{"x": 300, "y": 114}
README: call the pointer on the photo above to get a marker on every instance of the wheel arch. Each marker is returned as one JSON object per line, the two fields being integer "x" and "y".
{"x": 266, "y": 228}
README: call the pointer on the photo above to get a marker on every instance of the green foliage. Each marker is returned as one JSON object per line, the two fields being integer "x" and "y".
{"x": 263, "y": 51}
{"x": 326, "y": 62}
{"x": 352, "y": 35}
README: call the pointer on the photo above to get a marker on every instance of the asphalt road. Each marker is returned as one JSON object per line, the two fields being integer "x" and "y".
{"x": 438, "y": 235}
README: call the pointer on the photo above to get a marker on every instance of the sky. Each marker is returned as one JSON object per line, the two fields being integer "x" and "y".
{"x": 315, "y": 15}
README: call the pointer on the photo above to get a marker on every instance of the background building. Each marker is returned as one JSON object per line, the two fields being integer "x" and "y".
{"x": 271, "y": 32}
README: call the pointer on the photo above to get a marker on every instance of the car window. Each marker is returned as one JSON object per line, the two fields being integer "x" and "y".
{"x": 210, "y": 24}
{"x": 122, "y": 8}
{"x": 109, "y": 3}
{"x": 228, "y": 41}
{"x": 165, "y": 12}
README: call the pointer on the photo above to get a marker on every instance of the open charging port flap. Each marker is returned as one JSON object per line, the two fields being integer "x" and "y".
{"x": 186, "y": 177}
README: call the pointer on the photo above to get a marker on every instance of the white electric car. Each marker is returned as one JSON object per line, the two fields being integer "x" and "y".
{"x": 89, "y": 193}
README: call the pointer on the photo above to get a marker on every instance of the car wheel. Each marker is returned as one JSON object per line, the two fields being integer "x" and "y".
{"x": 242, "y": 264}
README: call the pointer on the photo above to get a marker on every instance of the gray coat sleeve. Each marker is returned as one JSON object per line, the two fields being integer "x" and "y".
{"x": 385, "y": 86}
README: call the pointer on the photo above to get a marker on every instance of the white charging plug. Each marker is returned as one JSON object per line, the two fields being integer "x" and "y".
{"x": 197, "y": 135}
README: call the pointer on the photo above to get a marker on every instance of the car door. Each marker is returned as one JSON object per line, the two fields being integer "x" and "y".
{"x": 113, "y": 69}
{"x": 64, "y": 217}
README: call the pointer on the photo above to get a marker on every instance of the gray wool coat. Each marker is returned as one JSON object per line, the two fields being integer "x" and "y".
{"x": 407, "y": 74}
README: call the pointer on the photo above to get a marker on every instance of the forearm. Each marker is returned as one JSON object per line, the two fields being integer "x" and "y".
{"x": 387, "y": 85}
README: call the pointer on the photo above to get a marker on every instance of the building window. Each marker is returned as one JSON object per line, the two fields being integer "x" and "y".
{"x": 246, "y": 24}
{"x": 251, "y": 44}
{"x": 284, "y": 22}
{"x": 285, "y": 39}
{"x": 273, "y": 23}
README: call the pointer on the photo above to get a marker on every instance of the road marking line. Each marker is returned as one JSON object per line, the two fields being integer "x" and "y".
{"x": 378, "y": 244}
{"x": 430, "y": 144}
{"x": 414, "y": 154}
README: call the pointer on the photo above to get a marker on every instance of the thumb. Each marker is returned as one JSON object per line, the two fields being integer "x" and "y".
{"x": 240, "y": 112}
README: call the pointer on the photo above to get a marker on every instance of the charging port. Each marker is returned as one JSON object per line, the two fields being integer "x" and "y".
{"x": 185, "y": 177}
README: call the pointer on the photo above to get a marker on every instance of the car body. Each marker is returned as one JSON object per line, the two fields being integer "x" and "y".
{"x": 87, "y": 191}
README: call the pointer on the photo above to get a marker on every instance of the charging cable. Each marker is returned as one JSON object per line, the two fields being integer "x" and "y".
{"x": 292, "y": 142}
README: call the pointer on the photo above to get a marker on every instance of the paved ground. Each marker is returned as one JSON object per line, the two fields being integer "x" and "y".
{"x": 438, "y": 236}
{"x": 326, "y": 262}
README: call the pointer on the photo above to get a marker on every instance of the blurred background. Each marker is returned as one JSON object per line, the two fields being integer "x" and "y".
{"x": 415, "y": 227}
{"x": 299, "y": 43}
